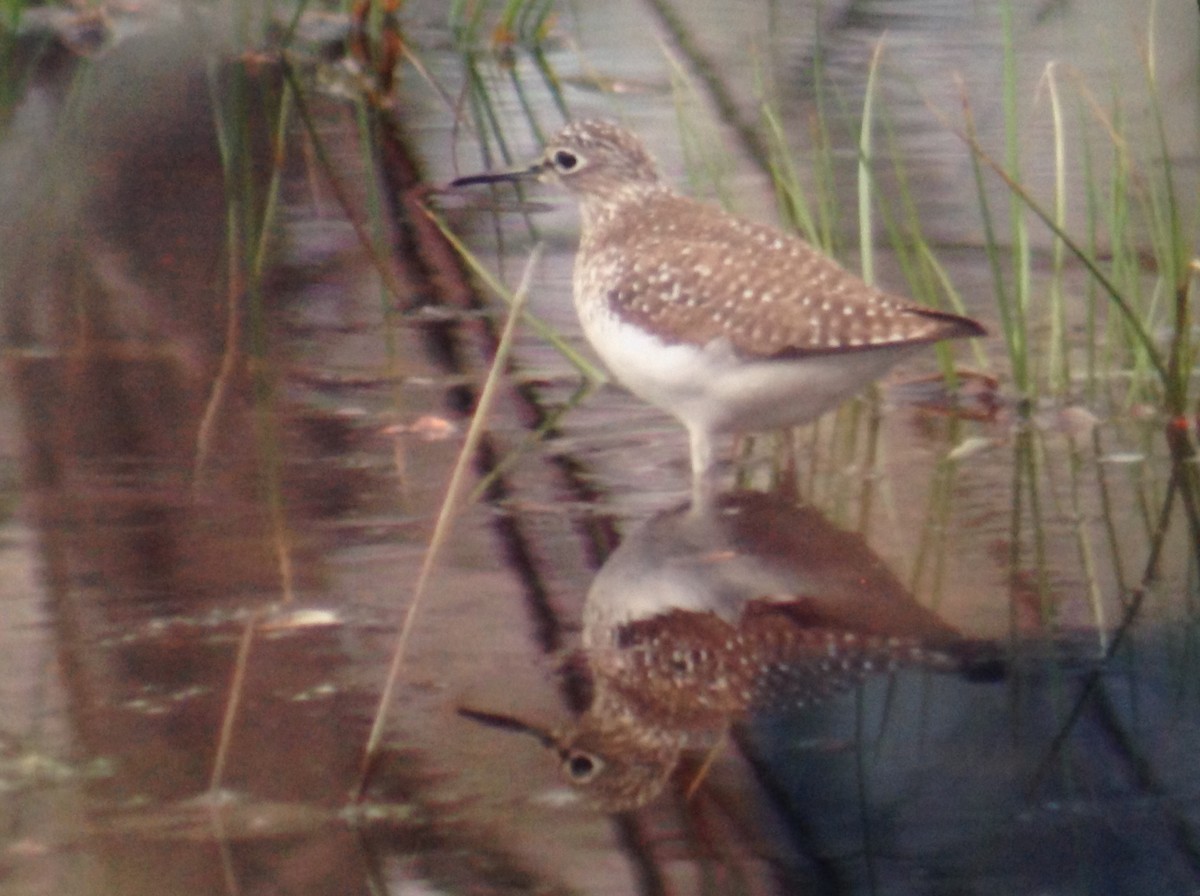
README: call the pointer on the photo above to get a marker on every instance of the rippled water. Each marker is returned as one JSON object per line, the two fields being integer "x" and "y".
{"x": 171, "y": 506}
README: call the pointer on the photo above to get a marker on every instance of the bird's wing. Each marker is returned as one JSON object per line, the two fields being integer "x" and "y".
{"x": 770, "y": 294}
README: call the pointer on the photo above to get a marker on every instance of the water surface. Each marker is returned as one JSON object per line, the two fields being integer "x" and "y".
{"x": 170, "y": 504}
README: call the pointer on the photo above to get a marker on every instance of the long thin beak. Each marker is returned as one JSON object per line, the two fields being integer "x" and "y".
{"x": 496, "y": 177}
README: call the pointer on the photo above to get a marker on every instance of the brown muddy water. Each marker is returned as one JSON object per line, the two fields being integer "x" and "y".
{"x": 930, "y": 660}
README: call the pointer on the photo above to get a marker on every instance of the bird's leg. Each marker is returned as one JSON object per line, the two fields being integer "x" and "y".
{"x": 704, "y": 485}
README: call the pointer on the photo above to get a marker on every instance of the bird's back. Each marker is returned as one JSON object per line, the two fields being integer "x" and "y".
{"x": 692, "y": 273}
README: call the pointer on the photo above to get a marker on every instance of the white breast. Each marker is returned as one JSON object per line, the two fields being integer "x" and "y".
{"x": 712, "y": 388}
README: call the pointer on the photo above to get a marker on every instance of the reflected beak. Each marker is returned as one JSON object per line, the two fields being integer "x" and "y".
{"x": 495, "y": 177}
{"x": 497, "y": 720}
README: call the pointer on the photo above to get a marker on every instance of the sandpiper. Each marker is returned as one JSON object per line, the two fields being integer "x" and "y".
{"x": 729, "y": 325}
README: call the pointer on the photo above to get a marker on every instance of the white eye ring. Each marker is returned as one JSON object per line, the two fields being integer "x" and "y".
{"x": 565, "y": 160}
{"x": 582, "y": 767}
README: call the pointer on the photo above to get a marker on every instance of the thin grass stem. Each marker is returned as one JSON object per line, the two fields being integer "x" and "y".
{"x": 1140, "y": 334}
{"x": 866, "y": 238}
{"x": 1057, "y": 354}
{"x": 543, "y": 330}
{"x": 233, "y": 702}
{"x": 445, "y": 518}
{"x": 1018, "y": 227}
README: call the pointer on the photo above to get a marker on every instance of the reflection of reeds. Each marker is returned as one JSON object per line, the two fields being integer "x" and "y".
{"x": 252, "y": 204}
{"x": 1139, "y": 206}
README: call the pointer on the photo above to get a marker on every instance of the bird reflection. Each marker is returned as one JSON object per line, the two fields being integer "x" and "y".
{"x": 701, "y": 618}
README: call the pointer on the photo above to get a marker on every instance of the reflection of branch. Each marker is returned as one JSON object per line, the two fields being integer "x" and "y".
{"x": 221, "y": 382}
{"x": 235, "y": 288}
{"x": 1184, "y": 481}
{"x": 237, "y": 688}
{"x": 1091, "y": 682}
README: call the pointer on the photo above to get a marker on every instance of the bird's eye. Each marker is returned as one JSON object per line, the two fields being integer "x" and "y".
{"x": 581, "y": 767}
{"x": 565, "y": 161}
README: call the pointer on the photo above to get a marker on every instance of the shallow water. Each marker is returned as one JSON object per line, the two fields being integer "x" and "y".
{"x": 165, "y": 514}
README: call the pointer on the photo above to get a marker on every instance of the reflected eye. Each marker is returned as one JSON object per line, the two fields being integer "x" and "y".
{"x": 581, "y": 767}
{"x": 565, "y": 161}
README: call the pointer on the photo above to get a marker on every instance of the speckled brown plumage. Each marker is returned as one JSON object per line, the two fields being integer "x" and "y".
{"x": 687, "y": 669}
{"x": 698, "y": 274}
{"x": 666, "y": 681}
{"x": 691, "y": 272}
